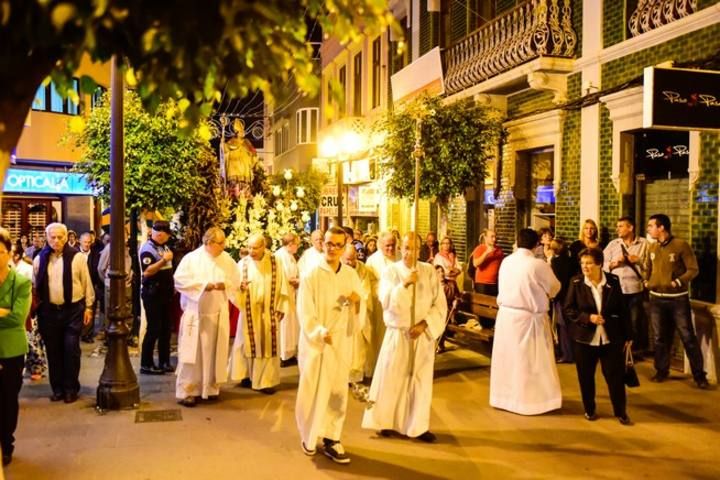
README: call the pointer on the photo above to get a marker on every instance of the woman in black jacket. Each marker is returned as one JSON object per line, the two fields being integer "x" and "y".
{"x": 600, "y": 328}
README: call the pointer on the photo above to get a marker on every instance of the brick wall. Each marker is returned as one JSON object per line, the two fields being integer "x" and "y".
{"x": 567, "y": 207}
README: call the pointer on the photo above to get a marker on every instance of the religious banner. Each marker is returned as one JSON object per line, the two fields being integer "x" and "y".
{"x": 683, "y": 99}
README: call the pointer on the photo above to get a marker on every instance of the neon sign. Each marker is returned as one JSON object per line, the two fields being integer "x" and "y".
{"x": 39, "y": 181}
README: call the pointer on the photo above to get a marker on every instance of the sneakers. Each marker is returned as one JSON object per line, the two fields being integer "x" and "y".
{"x": 335, "y": 451}
{"x": 306, "y": 450}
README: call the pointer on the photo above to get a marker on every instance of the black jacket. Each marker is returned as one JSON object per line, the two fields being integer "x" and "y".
{"x": 580, "y": 304}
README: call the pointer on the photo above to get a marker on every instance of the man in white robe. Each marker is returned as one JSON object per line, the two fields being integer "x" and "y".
{"x": 362, "y": 339}
{"x": 262, "y": 302}
{"x": 313, "y": 255}
{"x": 206, "y": 279}
{"x": 523, "y": 375}
{"x": 402, "y": 385}
{"x": 377, "y": 263}
{"x": 289, "y": 327}
{"x": 331, "y": 311}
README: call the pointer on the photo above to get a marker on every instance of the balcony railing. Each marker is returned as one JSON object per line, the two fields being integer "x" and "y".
{"x": 651, "y": 14}
{"x": 533, "y": 29}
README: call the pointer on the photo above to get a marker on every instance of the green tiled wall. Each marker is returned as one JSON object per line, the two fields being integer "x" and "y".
{"x": 705, "y": 217}
{"x": 609, "y": 198}
{"x": 567, "y": 206}
{"x": 528, "y": 101}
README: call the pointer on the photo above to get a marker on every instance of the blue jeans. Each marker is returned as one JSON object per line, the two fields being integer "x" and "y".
{"x": 638, "y": 320}
{"x": 666, "y": 314}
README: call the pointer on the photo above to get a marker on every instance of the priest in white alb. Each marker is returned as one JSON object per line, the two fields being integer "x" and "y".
{"x": 523, "y": 375}
{"x": 262, "y": 302}
{"x": 402, "y": 385}
{"x": 362, "y": 338}
{"x": 377, "y": 263}
{"x": 289, "y": 327}
{"x": 331, "y": 312}
{"x": 206, "y": 279}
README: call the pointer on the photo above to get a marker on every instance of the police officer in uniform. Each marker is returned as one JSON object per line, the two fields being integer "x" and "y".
{"x": 157, "y": 296}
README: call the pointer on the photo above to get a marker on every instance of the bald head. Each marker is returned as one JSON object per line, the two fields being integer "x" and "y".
{"x": 256, "y": 246}
{"x": 316, "y": 238}
{"x": 350, "y": 255}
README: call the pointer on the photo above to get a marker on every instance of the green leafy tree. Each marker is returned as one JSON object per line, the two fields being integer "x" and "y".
{"x": 165, "y": 169}
{"x": 190, "y": 50}
{"x": 458, "y": 139}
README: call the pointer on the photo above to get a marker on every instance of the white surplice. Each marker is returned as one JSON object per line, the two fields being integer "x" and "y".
{"x": 289, "y": 327}
{"x": 363, "y": 338}
{"x": 324, "y": 368}
{"x": 255, "y": 352}
{"x": 204, "y": 336}
{"x": 523, "y": 375}
{"x": 402, "y": 384}
{"x": 310, "y": 259}
{"x": 376, "y": 263}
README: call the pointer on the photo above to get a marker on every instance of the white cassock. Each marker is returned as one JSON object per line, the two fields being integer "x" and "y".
{"x": 289, "y": 327}
{"x": 310, "y": 259}
{"x": 204, "y": 336}
{"x": 324, "y": 369}
{"x": 255, "y": 352}
{"x": 363, "y": 338}
{"x": 402, "y": 388}
{"x": 376, "y": 263}
{"x": 523, "y": 375}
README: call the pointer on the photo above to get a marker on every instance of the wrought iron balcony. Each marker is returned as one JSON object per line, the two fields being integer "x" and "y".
{"x": 533, "y": 29}
{"x": 651, "y": 14}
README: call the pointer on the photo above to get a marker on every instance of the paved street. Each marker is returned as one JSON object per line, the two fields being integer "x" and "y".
{"x": 250, "y": 435}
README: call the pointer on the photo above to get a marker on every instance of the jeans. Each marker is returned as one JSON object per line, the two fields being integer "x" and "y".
{"x": 638, "y": 320}
{"x": 666, "y": 314}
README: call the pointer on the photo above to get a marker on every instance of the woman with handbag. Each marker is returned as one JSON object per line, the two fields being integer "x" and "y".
{"x": 15, "y": 292}
{"x": 600, "y": 328}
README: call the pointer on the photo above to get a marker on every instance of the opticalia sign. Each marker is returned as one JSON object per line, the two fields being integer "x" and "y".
{"x": 39, "y": 181}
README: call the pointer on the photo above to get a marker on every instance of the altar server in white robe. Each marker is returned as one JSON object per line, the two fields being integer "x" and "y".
{"x": 362, "y": 339}
{"x": 402, "y": 385}
{"x": 312, "y": 256}
{"x": 206, "y": 279}
{"x": 262, "y": 302}
{"x": 377, "y": 263}
{"x": 289, "y": 327}
{"x": 523, "y": 375}
{"x": 331, "y": 312}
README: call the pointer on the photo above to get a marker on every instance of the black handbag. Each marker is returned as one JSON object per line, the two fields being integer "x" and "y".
{"x": 631, "y": 377}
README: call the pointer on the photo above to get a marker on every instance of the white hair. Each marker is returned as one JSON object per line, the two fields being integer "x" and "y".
{"x": 56, "y": 226}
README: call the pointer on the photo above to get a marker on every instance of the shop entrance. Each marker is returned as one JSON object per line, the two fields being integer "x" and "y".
{"x": 27, "y": 216}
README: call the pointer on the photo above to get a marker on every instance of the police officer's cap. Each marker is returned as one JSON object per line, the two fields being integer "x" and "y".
{"x": 162, "y": 226}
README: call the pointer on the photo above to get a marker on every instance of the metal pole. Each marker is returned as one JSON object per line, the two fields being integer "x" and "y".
{"x": 118, "y": 387}
{"x": 418, "y": 154}
{"x": 339, "y": 168}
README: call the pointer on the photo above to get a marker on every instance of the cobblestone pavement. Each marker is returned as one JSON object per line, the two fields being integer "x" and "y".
{"x": 253, "y": 436}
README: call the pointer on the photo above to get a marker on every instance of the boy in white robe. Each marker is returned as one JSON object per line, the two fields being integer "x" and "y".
{"x": 289, "y": 327}
{"x": 523, "y": 374}
{"x": 262, "y": 301}
{"x": 331, "y": 312}
{"x": 401, "y": 388}
{"x": 362, "y": 339}
{"x": 206, "y": 279}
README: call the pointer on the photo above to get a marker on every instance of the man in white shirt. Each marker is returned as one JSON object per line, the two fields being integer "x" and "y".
{"x": 625, "y": 257}
{"x": 523, "y": 375}
{"x": 66, "y": 296}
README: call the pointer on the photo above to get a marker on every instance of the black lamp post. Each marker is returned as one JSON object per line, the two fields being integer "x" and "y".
{"x": 118, "y": 388}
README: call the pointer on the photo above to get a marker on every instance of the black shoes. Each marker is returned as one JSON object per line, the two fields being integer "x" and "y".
{"x": 6, "y": 459}
{"x": 267, "y": 391}
{"x": 167, "y": 368}
{"x": 56, "y": 397}
{"x": 152, "y": 370}
{"x": 245, "y": 383}
{"x": 334, "y": 450}
{"x": 188, "y": 402}
{"x": 289, "y": 362}
{"x": 427, "y": 437}
{"x": 386, "y": 433}
{"x": 702, "y": 384}
{"x": 659, "y": 377}
{"x": 590, "y": 417}
{"x": 625, "y": 420}
{"x": 71, "y": 397}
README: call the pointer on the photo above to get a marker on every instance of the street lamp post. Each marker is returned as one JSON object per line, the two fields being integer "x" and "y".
{"x": 118, "y": 387}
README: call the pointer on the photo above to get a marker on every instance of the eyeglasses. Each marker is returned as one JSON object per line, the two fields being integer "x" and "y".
{"x": 334, "y": 246}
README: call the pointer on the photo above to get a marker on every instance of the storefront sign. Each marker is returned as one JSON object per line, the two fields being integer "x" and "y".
{"x": 681, "y": 99}
{"x": 40, "y": 181}
{"x": 364, "y": 200}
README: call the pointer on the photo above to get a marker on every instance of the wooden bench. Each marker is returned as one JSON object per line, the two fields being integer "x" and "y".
{"x": 483, "y": 309}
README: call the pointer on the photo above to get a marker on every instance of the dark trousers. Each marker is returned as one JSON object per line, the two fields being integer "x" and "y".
{"x": 10, "y": 385}
{"x": 666, "y": 314}
{"x": 486, "y": 289}
{"x": 638, "y": 320}
{"x": 158, "y": 312}
{"x": 60, "y": 330}
{"x": 612, "y": 363}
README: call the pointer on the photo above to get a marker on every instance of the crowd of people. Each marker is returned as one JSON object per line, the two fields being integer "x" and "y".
{"x": 351, "y": 309}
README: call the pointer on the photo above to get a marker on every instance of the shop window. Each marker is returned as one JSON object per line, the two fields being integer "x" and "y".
{"x": 48, "y": 99}
{"x": 306, "y": 120}
{"x": 534, "y": 192}
{"x": 342, "y": 80}
{"x": 357, "y": 85}
{"x": 376, "y": 55}
{"x": 97, "y": 96}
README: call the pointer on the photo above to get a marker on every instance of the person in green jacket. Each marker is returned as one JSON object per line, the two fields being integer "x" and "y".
{"x": 15, "y": 296}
